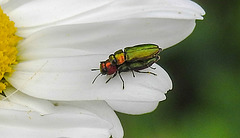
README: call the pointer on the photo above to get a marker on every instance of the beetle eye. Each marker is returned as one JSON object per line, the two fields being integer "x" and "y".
{"x": 103, "y": 68}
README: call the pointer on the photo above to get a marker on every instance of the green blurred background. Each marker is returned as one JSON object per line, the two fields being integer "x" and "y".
{"x": 205, "y": 71}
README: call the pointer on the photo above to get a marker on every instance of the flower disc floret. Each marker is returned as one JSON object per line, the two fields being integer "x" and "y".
{"x": 8, "y": 50}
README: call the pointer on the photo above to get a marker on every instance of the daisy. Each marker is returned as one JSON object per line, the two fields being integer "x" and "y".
{"x": 64, "y": 55}
{"x": 57, "y": 43}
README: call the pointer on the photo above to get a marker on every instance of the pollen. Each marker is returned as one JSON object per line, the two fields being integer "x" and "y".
{"x": 8, "y": 50}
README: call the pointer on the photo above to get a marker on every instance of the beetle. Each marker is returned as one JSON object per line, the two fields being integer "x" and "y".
{"x": 107, "y": 68}
{"x": 134, "y": 53}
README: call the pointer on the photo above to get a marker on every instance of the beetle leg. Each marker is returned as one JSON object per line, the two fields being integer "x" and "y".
{"x": 111, "y": 77}
{"x": 121, "y": 79}
{"x": 132, "y": 73}
{"x": 146, "y": 72}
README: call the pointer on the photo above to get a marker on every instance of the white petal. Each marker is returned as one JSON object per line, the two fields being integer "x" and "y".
{"x": 3, "y": 2}
{"x": 4, "y": 104}
{"x": 74, "y": 82}
{"x": 62, "y": 124}
{"x": 36, "y": 15}
{"x": 41, "y": 12}
{"x": 91, "y": 112}
{"x": 66, "y": 121}
{"x": 123, "y": 9}
{"x": 133, "y": 107}
{"x": 38, "y": 133}
{"x": 35, "y": 104}
{"x": 105, "y": 37}
{"x": 101, "y": 109}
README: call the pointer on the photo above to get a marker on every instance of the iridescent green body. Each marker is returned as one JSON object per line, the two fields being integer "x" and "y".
{"x": 141, "y": 52}
{"x": 137, "y": 65}
{"x": 134, "y": 53}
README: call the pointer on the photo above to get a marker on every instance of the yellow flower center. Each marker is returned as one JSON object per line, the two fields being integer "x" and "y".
{"x": 8, "y": 50}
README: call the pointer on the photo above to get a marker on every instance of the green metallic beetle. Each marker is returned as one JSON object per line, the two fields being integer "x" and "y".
{"x": 134, "y": 53}
{"x": 127, "y": 61}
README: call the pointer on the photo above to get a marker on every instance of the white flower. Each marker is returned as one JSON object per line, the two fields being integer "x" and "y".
{"x": 63, "y": 56}
{"x": 64, "y": 39}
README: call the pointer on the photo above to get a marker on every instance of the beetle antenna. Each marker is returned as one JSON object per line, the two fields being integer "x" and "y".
{"x": 96, "y": 77}
{"x": 94, "y": 69}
